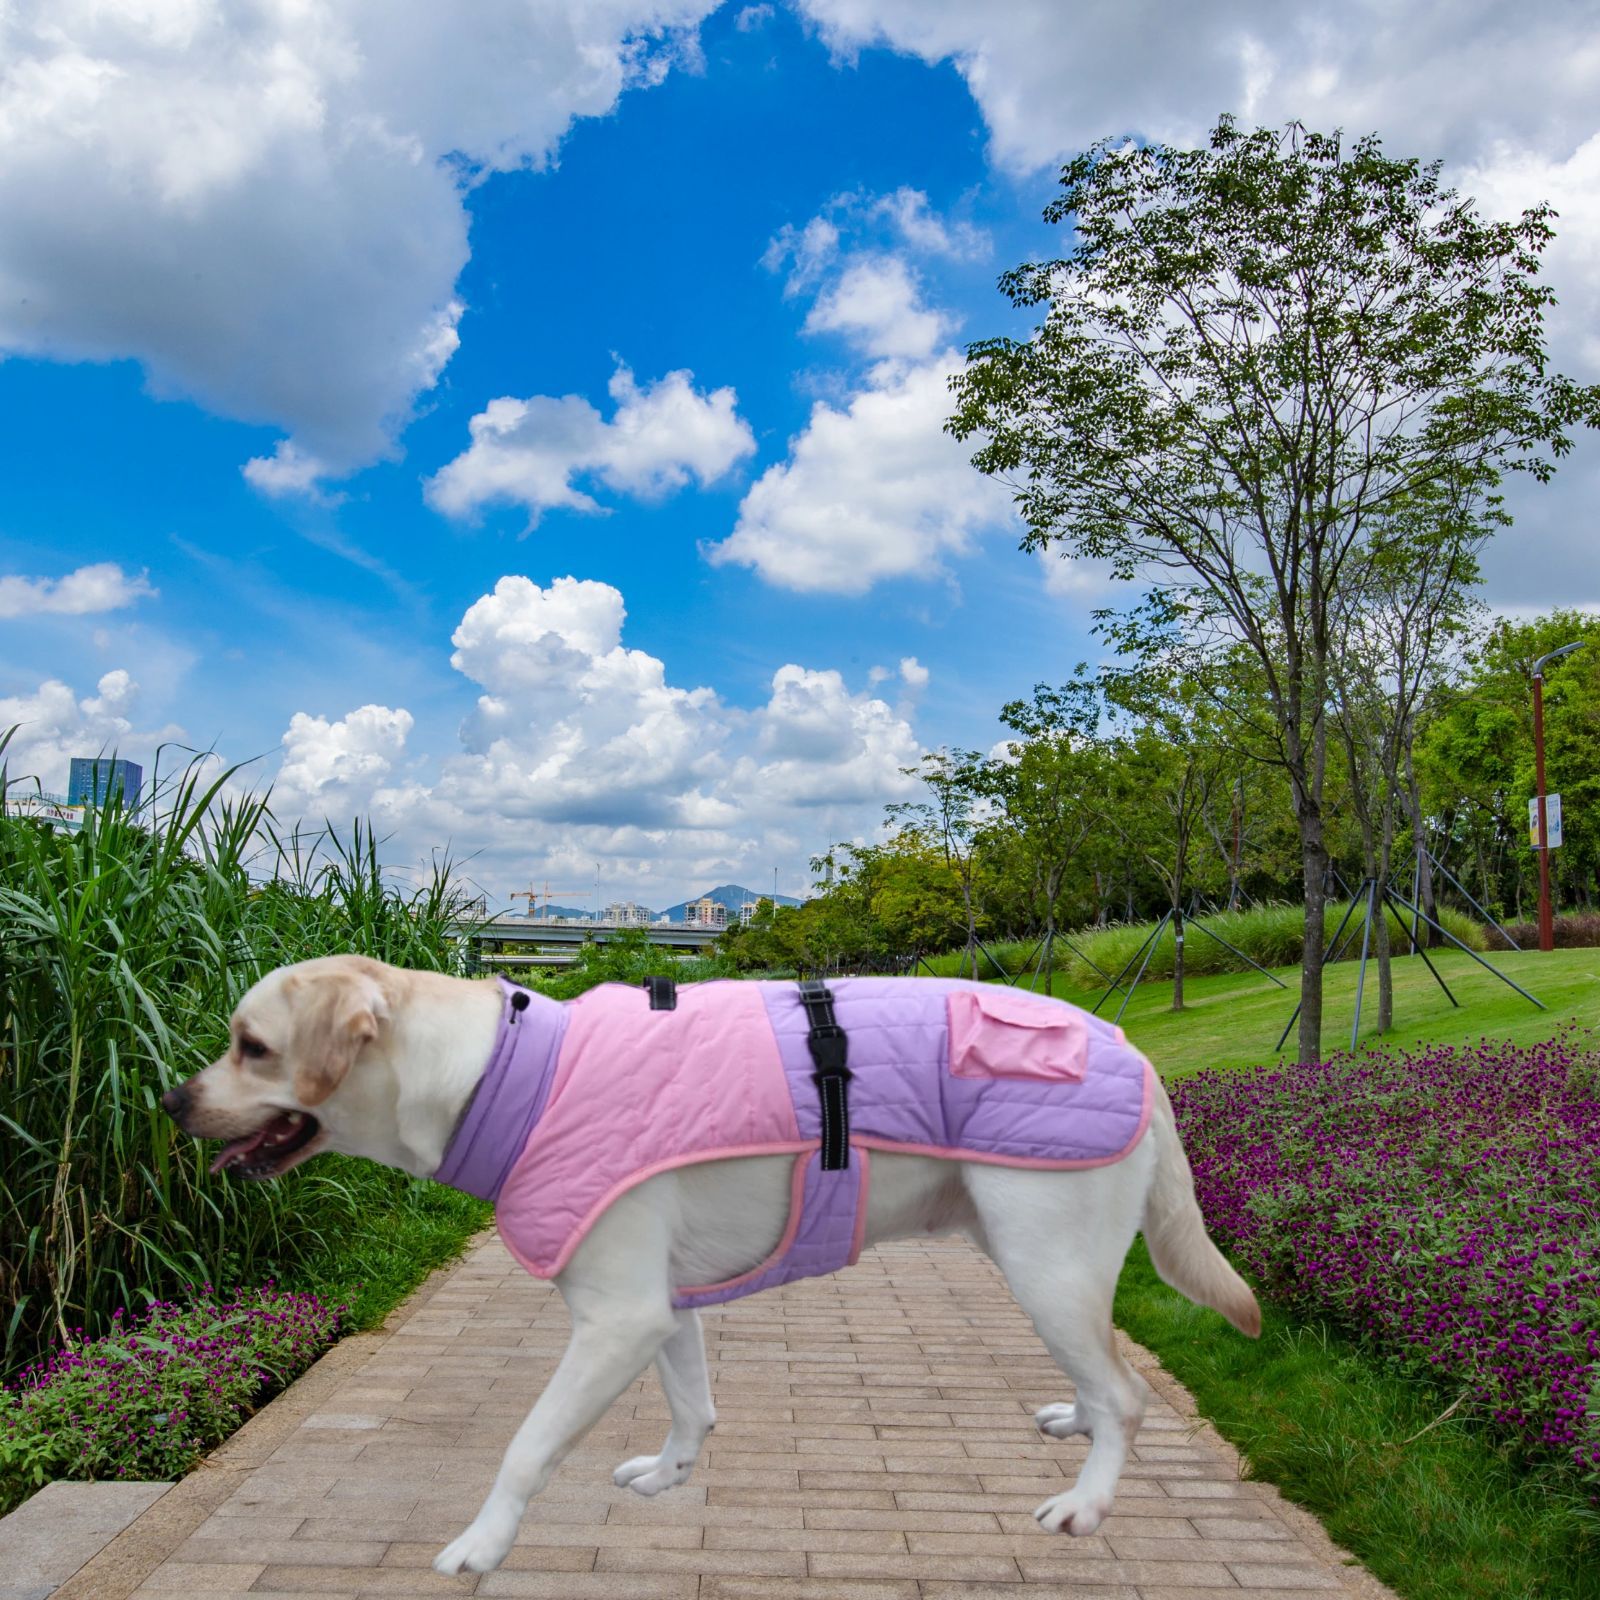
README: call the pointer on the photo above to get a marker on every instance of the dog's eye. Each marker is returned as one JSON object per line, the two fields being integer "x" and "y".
{"x": 252, "y": 1049}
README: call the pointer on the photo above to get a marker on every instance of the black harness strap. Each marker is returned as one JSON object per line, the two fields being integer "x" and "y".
{"x": 663, "y": 993}
{"x": 829, "y": 1047}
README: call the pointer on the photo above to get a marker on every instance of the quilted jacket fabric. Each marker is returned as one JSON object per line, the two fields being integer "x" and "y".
{"x": 582, "y": 1101}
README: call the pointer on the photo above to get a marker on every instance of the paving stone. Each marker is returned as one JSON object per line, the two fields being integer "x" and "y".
{"x": 50, "y": 1536}
{"x": 875, "y": 1443}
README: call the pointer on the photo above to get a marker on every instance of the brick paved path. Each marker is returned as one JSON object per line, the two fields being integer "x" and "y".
{"x": 873, "y": 1443}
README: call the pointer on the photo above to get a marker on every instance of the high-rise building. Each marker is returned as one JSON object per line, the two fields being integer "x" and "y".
{"x": 94, "y": 779}
{"x": 705, "y": 913}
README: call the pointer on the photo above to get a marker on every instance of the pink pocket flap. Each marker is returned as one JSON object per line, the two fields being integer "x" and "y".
{"x": 999, "y": 1033}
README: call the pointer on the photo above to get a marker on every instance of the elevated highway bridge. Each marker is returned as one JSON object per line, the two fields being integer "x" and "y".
{"x": 507, "y": 942}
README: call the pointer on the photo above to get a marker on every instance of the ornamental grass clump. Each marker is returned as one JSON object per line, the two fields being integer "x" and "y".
{"x": 148, "y": 1399}
{"x": 1443, "y": 1205}
{"x": 124, "y": 947}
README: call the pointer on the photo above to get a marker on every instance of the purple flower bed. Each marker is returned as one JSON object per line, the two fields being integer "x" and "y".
{"x": 165, "y": 1386}
{"x": 1443, "y": 1205}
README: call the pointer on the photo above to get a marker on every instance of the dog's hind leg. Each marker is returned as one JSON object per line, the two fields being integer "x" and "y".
{"x": 1061, "y": 1262}
{"x": 617, "y": 1290}
{"x": 681, "y": 1365}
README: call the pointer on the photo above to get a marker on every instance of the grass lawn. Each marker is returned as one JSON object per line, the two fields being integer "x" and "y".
{"x": 1436, "y": 1509}
{"x": 1234, "y": 1020}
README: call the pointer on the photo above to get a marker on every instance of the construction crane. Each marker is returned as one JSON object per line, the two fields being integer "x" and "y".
{"x": 534, "y": 896}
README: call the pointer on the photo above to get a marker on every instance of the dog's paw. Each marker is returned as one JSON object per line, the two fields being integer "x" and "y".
{"x": 1072, "y": 1513}
{"x": 483, "y": 1546}
{"x": 648, "y": 1475}
{"x": 1061, "y": 1421}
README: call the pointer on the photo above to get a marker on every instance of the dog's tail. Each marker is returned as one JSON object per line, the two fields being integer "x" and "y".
{"x": 1176, "y": 1233}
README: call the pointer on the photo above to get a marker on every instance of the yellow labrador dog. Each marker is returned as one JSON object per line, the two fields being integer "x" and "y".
{"x": 346, "y": 1054}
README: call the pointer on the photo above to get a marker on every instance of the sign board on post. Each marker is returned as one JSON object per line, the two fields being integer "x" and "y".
{"x": 1552, "y": 820}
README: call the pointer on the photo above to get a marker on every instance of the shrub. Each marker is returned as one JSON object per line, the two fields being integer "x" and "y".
{"x": 1272, "y": 935}
{"x": 999, "y": 958}
{"x": 1439, "y": 1204}
{"x": 148, "y": 1399}
{"x": 1577, "y": 930}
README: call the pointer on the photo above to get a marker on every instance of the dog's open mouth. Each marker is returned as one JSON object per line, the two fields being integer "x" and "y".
{"x": 266, "y": 1152}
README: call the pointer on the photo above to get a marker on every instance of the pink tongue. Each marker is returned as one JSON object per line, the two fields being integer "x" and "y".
{"x": 239, "y": 1147}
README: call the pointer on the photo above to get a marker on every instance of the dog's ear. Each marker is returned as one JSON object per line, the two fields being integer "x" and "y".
{"x": 336, "y": 1014}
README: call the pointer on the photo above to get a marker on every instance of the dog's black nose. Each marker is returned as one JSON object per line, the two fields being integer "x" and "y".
{"x": 176, "y": 1101}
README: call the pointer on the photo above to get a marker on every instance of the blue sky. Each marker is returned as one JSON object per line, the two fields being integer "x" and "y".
{"x": 366, "y": 374}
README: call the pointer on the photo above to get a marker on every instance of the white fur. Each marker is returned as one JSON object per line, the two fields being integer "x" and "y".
{"x": 1058, "y": 1237}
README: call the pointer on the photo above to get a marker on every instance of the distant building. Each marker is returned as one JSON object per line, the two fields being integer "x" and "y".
{"x": 625, "y": 914}
{"x": 707, "y": 913}
{"x": 47, "y": 808}
{"x": 93, "y": 780}
{"x": 746, "y": 912}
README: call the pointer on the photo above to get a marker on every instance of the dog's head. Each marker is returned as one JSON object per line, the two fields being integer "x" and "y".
{"x": 291, "y": 1080}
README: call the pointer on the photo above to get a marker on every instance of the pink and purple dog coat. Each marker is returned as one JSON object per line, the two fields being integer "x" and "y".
{"x": 581, "y": 1101}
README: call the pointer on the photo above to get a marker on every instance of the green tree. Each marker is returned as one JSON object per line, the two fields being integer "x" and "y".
{"x": 1254, "y": 354}
{"x": 1170, "y": 764}
{"x": 953, "y": 815}
{"x": 1475, "y": 763}
{"x": 1050, "y": 793}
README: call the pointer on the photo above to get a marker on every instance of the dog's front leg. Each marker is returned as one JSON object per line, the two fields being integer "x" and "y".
{"x": 681, "y": 1364}
{"x": 616, "y": 1288}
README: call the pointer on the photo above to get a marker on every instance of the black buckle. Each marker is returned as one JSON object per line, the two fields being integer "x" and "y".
{"x": 829, "y": 1050}
{"x": 663, "y": 993}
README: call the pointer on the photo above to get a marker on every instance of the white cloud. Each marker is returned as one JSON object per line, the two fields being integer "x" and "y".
{"x": 869, "y": 491}
{"x": 873, "y": 487}
{"x": 53, "y": 725}
{"x": 337, "y": 767}
{"x": 289, "y": 470}
{"x": 264, "y": 204}
{"x": 903, "y": 219}
{"x": 1439, "y": 80}
{"x": 580, "y": 749}
{"x": 914, "y": 674}
{"x": 1507, "y": 99}
{"x": 921, "y": 228}
{"x": 1509, "y": 177}
{"x": 530, "y": 452}
{"x": 819, "y": 744}
{"x": 102, "y": 586}
{"x": 752, "y": 17}
{"x": 876, "y": 303}
{"x": 573, "y": 726}
{"x": 811, "y": 249}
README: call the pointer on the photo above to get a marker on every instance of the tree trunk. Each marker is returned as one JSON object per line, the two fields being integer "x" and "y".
{"x": 1177, "y": 953}
{"x": 1314, "y": 866}
{"x": 1426, "y": 936}
{"x": 1238, "y": 842}
{"x": 972, "y": 927}
{"x": 1381, "y": 945}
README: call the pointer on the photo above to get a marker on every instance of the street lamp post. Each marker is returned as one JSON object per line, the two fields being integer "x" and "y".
{"x": 1547, "y": 927}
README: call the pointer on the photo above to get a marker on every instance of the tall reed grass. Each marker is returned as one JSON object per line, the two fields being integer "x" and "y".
{"x": 123, "y": 950}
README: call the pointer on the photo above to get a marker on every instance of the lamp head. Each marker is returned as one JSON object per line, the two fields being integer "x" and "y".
{"x": 1554, "y": 655}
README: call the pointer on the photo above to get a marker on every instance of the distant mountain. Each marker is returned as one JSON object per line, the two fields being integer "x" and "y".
{"x": 731, "y": 895}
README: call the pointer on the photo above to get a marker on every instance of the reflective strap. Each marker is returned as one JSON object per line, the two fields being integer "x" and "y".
{"x": 829, "y": 1048}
